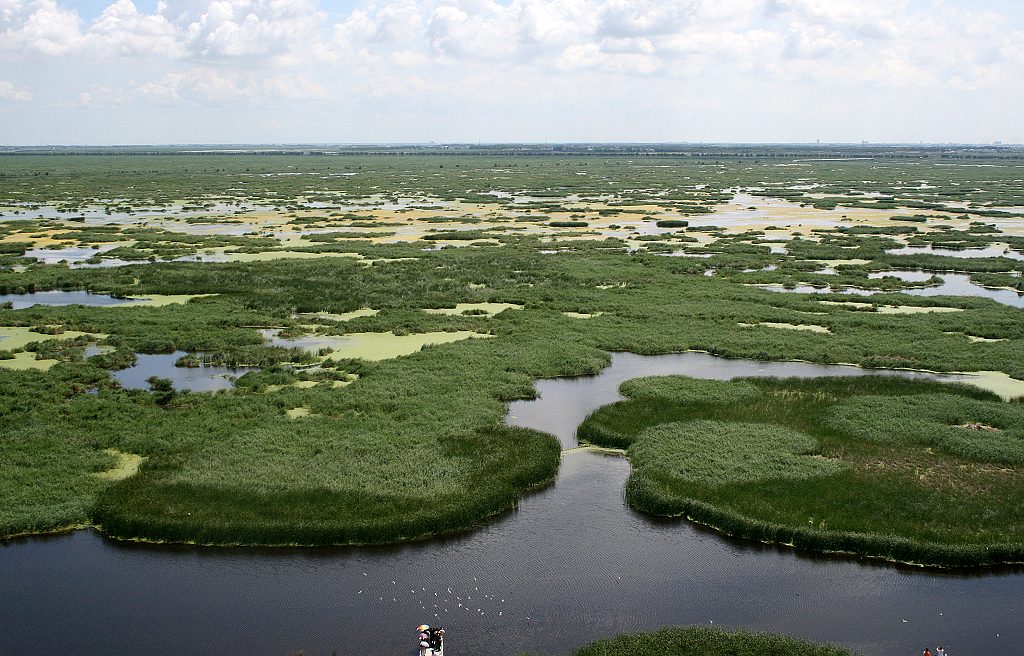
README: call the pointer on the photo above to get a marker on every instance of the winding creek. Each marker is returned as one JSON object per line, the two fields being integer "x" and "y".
{"x": 571, "y": 565}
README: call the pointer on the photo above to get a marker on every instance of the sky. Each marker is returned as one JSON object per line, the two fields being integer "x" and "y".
{"x": 101, "y": 72}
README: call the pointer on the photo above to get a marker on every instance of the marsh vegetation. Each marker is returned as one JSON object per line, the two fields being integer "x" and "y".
{"x": 401, "y": 432}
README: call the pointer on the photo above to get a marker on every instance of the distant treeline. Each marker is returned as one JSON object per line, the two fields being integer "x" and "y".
{"x": 836, "y": 151}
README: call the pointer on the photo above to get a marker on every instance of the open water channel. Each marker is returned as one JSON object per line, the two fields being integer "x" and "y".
{"x": 572, "y": 564}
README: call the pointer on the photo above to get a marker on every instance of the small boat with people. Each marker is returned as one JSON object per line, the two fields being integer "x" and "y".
{"x": 431, "y": 640}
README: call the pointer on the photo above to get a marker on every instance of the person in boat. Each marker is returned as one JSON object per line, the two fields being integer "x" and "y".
{"x": 437, "y": 639}
{"x": 424, "y": 636}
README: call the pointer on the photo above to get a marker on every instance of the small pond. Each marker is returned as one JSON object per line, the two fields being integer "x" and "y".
{"x": 197, "y": 379}
{"x": 77, "y": 297}
{"x": 953, "y": 284}
{"x": 995, "y": 250}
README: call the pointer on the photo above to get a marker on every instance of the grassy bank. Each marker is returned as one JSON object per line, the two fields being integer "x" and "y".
{"x": 910, "y": 471}
{"x": 706, "y": 641}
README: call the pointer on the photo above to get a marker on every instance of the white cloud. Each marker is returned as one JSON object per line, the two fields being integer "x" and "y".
{"x": 209, "y": 86}
{"x": 253, "y": 28}
{"x": 255, "y": 54}
{"x": 122, "y": 30}
{"x": 11, "y": 93}
{"x": 40, "y": 27}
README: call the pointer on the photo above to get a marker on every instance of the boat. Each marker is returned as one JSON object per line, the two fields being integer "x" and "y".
{"x": 431, "y": 640}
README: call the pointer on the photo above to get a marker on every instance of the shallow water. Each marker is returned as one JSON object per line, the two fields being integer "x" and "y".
{"x": 78, "y": 297}
{"x": 953, "y": 284}
{"x": 70, "y": 254}
{"x": 571, "y": 565}
{"x": 995, "y": 250}
{"x": 197, "y": 379}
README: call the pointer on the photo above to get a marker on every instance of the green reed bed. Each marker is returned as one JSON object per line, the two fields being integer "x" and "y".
{"x": 911, "y": 471}
{"x": 707, "y": 641}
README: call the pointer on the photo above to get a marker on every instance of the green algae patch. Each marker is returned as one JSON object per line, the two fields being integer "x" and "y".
{"x": 813, "y": 328}
{"x": 161, "y": 300}
{"x": 915, "y": 309}
{"x": 127, "y": 465}
{"x": 836, "y": 263}
{"x": 892, "y": 309}
{"x": 26, "y": 360}
{"x": 475, "y": 309}
{"x": 13, "y": 338}
{"x": 385, "y": 346}
{"x": 977, "y": 340}
{"x": 997, "y": 382}
{"x": 299, "y": 384}
{"x": 849, "y": 305}
{"x": 345, "y": 316}
{"x": 267, "y": 256}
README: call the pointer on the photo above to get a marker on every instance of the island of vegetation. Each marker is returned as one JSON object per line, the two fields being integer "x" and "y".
{"x": 379, "y": 310}
{"x": 707, "y": 641}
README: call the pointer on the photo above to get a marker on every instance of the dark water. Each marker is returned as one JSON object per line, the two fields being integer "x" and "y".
{"x": 197, "y": 379}
{"x": 571, "y": 565}
{"x": 62, "y": 298}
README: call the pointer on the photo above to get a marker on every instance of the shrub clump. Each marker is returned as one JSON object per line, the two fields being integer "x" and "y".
{"x": 707, "y": 641}
{"x": 683, "y": 389}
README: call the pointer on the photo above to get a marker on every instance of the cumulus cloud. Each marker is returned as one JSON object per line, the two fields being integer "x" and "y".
{"x": 226, "y": 50}
{"x": 11, "y": 93}
{"x": 208, "y": 86}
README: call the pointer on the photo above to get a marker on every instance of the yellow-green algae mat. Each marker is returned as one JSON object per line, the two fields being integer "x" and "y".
{"x": 345, "y": 316}
{"x": 18, "y": 337}
{"x": 127, "y": 465}
{"x": 809, "y": 327}
{"x": 479, "y": 309}
{"x": 384, "y": 346}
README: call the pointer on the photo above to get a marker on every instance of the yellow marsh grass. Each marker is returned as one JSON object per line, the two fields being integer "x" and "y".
{"x": 160, "y": 300}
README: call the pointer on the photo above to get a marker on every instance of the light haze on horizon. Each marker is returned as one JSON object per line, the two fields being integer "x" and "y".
{"x": 102, "y": 72}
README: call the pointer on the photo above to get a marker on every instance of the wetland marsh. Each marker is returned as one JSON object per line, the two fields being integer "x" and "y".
{"x": 350, "y": 355}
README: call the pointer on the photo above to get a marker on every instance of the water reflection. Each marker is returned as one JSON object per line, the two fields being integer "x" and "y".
{"x": 56, "y": 298}
{"x": 197, "y": 379}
